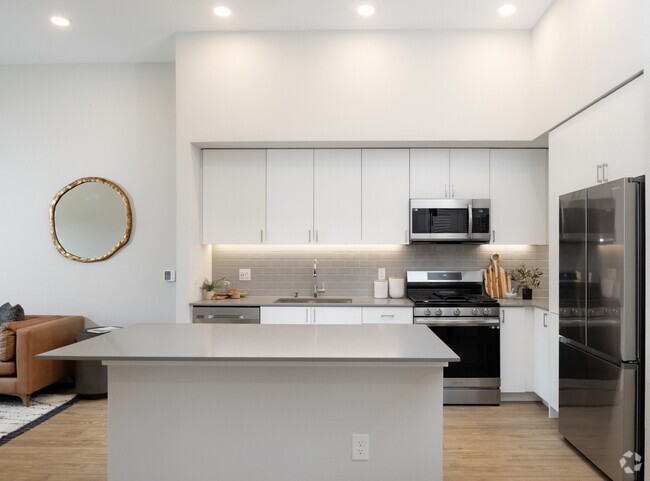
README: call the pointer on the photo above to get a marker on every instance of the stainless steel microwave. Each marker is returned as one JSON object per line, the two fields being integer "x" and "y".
{"x": 450, "y": 220}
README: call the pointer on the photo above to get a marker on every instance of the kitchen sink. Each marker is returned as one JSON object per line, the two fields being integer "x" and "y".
{"x": 312, "y": 300}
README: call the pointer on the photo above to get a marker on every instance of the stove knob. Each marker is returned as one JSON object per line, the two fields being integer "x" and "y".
{"x": 486, "y": 311}
{"x": 475, "y": 311}
{"x": 456, "y": 312}
{"x": 438, "y": 312}
{"x": 427, "y": 312}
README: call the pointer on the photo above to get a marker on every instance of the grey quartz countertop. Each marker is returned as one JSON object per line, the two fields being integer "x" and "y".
{"x": 541, "y": 302}
{"x": 258, "y": 342}
{"x": 255, "y": 301}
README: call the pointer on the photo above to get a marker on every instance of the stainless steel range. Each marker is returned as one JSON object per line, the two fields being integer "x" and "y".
{"x": 456, "y": 308}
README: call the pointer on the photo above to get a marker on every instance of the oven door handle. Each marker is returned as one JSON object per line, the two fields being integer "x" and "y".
{"x": 469, "y": 227}
{"x": 457, "y": 321}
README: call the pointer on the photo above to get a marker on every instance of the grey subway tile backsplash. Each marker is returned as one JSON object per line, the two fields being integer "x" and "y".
{"x": 351, "y": 270}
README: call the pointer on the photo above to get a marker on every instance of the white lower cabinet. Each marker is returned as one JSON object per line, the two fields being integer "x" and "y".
{"x": 388, "y": 315}
{"x": 310, "y": 315}
{"x": 546, "y": 375}
{"x": 516, "y": 350}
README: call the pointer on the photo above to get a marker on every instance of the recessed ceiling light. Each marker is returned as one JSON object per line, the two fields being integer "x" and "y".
{"x": 60, "y": 21}
{"x": 366, "y": 10}
{"x": 222, "y": 12}
{"x": 507, "y": 9}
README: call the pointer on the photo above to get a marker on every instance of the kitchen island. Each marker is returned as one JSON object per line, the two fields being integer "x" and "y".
{"x": 271, "y": 402}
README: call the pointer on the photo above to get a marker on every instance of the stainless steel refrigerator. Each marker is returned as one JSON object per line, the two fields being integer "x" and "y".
{"x": 602, "y": 303}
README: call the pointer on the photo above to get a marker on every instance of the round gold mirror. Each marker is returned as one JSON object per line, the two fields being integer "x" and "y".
{"x": 90, "y": 219}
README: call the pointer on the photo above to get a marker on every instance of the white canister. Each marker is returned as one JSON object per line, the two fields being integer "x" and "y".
{"x": 396, "y": 286}
{"x": 381, "y": 289}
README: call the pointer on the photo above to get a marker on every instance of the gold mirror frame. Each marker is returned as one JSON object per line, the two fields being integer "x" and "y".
{"x": 72, "y": 185}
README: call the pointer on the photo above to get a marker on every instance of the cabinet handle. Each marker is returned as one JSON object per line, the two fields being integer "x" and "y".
{"x": 387, "y": 315}
{"x": 599, "y": 171}
{"x": 494, "y": 236}
{"x": 262, "y": 235}
{"x": 316, "y": 233}
{"x": 306, "y": 315}
{"x": 310, "y": 236}
{"x": 605, "y": 178}
{"x": 503, "y": 316}
{"x": 453, "y": 193}
{"x": 446, "y": 194}
{"x": 406, "y": 236}
{"x": 313, "y": 317}
{"x": 545, "y": 318}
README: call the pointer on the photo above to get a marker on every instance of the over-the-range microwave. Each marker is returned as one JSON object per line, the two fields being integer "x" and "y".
{"x": 450, "y": 220}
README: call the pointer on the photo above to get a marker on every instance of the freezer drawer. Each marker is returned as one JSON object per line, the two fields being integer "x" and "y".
{"x": 598, "y": 408}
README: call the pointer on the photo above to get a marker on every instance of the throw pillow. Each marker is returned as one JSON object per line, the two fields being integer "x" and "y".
{"x": 11, "y": 314}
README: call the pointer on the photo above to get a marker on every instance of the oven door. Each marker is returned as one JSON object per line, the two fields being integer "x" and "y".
{"x": 476, "y": 378}
{"x": 450, "y": 220}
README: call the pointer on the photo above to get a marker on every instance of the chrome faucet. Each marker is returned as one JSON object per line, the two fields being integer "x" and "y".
{"x": 315, "y": 276}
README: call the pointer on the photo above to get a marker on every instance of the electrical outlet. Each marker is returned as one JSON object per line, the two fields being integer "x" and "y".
{"x": 360, "y": 447}
{"x": 381, "y": 274}
{"x": 244, "y": 274}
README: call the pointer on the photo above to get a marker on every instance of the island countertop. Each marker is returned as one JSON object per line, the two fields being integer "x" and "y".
{"x": 258, "y": 342}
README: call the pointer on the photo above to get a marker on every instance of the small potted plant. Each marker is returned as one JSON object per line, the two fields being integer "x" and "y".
{"x": 208, "y": 288}
{"x": 526, "y": 279}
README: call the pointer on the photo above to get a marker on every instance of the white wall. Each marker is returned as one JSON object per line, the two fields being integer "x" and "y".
{"x": 354, "y": 86}
{"x": 582, "y": 49}
{"x": 59, "y": 123}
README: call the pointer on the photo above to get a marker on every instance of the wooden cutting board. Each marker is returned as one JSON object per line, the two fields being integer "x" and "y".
{"x": 497, "y": 280}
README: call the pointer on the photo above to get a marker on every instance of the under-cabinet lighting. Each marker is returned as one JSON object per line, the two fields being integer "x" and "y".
{"x": 222, "y": 12}
{"x": 366, "y": 10}
{"x": 60, "y": 21}
{"x": 507, "y": 10}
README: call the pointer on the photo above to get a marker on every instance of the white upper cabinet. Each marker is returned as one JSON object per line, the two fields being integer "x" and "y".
{"x": 337, "y": 196}
{"x": 289, "y": 196}
{"x": 469, "y": 173}
{"x": 447, "y": 173}
{"x": 429, "y": 172}
{"x": 234, "y": 196}
{"x": 385, "y": 196}
{"x": 519, "y": 187}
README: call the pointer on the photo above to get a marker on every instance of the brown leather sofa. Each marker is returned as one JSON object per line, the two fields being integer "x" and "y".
{"x": 23, "y": 374}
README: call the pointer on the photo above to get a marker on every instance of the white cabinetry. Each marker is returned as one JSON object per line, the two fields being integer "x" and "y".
{"x": 385, "y": 196}
{"x": 459, "y": 173}
{"x": 519, "y": 189}
{"x": 388, "y": 315}
{"x": 469, "y": 173}
{"x": 516, "y": 350}
{"x": 337, "y": 196}
{"x": 609, "y": 132}
{"x": 310, "y": 315}
{"x": 234, "y": 196}
{"x": 546, "y": 338}
{"x": 289, "y": 196}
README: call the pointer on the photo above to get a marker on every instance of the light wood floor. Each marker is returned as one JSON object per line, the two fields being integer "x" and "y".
{"x": 513, "y": 441}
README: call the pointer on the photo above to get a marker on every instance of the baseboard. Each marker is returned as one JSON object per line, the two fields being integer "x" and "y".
{"x": 519, "y": 396}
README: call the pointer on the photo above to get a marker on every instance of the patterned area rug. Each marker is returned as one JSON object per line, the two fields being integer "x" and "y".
{"x": 16, "y": 419}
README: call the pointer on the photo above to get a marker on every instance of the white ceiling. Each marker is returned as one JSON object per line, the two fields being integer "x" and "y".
{"x": 143, "y": 30}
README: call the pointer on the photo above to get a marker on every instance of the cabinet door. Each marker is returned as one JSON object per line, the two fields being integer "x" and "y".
{"x": 337, "y": 196}
{"x": 541, "y": 352}
{"x": 553, "y": 361}
{"x": 429, "y": 173}
{"x": 515, "y": 352}
{"x": 518, "y": 188}
{"x": 234, "y": 196}
{"x": 289, "y": 196}
{"x": 285, "y": 315}
{"x": 388, "y": 315}
{"x": 336, "y": 315}
{"x": 469, "y": 173}
{"x": 385, "y": 196}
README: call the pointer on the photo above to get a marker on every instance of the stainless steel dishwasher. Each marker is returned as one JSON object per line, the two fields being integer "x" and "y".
{"x": 225, "y": 315}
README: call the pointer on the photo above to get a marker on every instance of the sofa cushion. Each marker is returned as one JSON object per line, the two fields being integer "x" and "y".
{"x": 8, "y": 335}
{"x": 9, "y": 313}
{"x": 7, "y": 368}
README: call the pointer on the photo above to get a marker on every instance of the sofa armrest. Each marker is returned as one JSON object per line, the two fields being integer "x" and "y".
{"x": 34, "y": 374}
